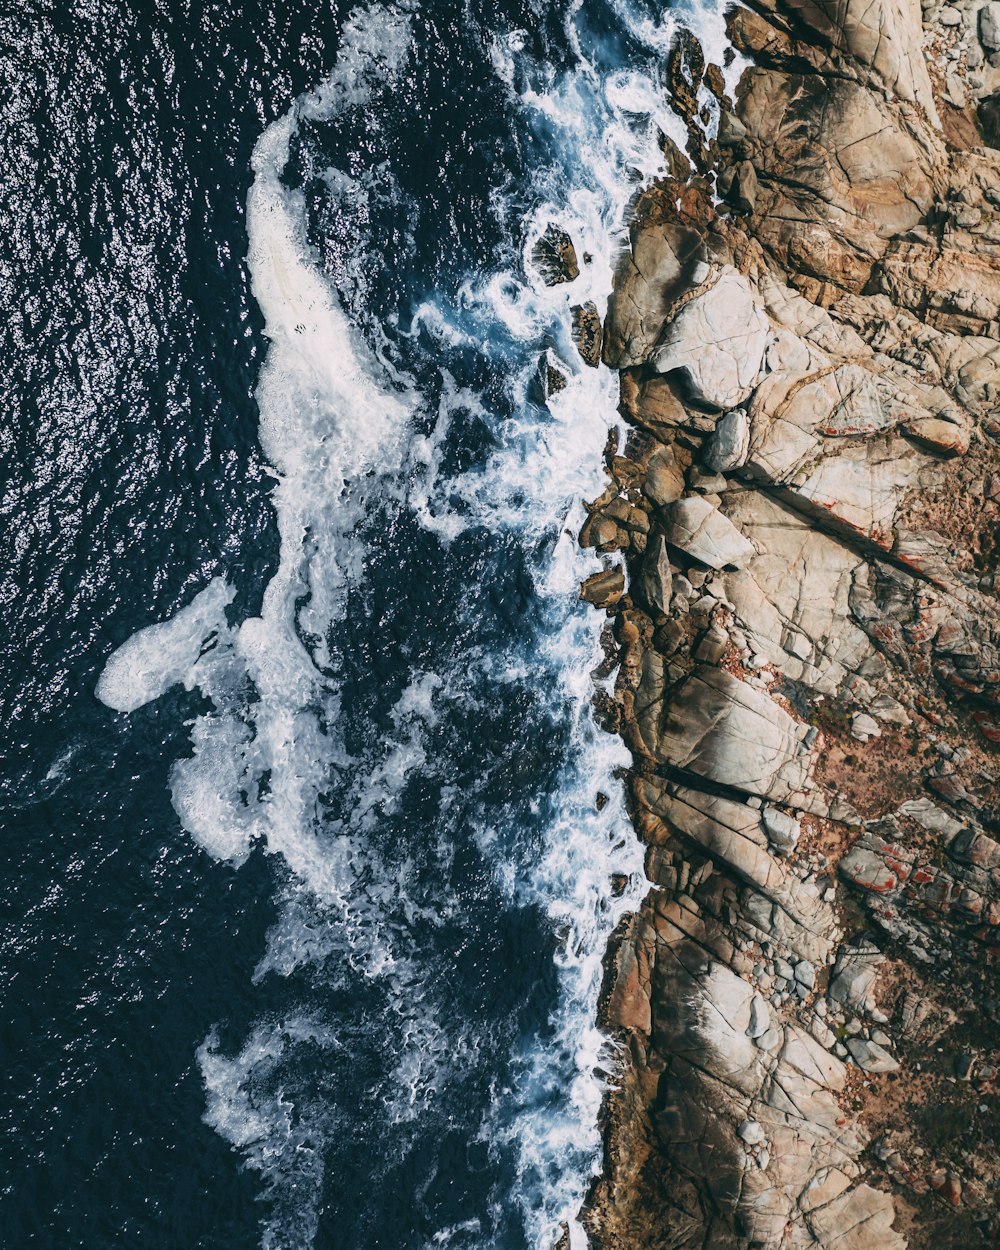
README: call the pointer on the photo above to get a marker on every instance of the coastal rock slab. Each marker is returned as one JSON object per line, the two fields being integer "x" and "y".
{"x": 664, "y": 260}
{"x": 723, "y": 729}
{"x": 718, "y": 339}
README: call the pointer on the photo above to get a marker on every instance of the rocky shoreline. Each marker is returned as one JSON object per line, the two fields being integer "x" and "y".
{"x": 800, "y": 543}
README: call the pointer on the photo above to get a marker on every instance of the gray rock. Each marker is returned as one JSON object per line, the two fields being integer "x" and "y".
{"x": 760, "y": 1017}
{"x": 854, "y": 976}
{"x": 751, "y": 1132}
{"x": 870, "y": 1056}
{"x": 656, "y": 577}
{"x": 805, "y": 974}
{"x": 706, "y": 535}
{"x": 955, "y": 92}
{"x": 989, "y": 25}
{"x": 719, "y": 727}
{"x": 913, "y": 1011}
{"x": 783, "y": 831}
{"x": 931, "y": 817}
{"x": 949, "y": 16}
{"x": 889, "y": 709}
{"x": 770, "y": 1040}
{"x": 864, "y": 727}
{"x": 822, "y": 1033}
{"x": 718, "y": 340}
{"x": 728, "y": 447}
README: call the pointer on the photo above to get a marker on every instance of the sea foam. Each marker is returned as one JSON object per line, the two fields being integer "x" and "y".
{"x": 272, "y": 763}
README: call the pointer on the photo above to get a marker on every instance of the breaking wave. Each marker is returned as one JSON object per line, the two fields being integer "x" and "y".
{"x": 405, "y": 727}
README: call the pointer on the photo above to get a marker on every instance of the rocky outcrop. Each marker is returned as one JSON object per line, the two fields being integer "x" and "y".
{"x": 801, "y": 548}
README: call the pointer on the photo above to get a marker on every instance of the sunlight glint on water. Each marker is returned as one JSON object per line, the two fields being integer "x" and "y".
{"x": 270, "y": 753}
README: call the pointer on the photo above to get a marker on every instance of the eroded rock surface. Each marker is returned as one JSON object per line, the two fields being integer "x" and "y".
{"x": 804, "y": 514}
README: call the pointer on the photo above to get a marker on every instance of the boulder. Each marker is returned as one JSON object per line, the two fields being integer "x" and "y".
{"x": 718, "y": 340}
{"x": 989, "y": 25}
{"x": 870, "y": 1056}
{"x": 698, "y": 528}
{"x": 664, "y": 259}
{"x": 664, "y": 481}
{"x": 728, "y": 447}
{"x": 555, "y": 256}
{"x": 655, "y": 582}
{"x": 783, "y": 831}
{"x": 604, "y": 589}
{"x": 854, "y": 976}
{"x": 587, "y": 332}
{"x": 725, "y": 730}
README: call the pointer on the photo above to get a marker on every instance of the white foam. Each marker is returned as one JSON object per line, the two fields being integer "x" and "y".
{"x": 335, "y": 413}
{"x": 278, "y": 1131}
{"x": 165, "y": 655}
{"x": 604, "y": 138}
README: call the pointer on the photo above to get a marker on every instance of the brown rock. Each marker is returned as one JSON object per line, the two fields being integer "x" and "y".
{"x": 604, "y": 589}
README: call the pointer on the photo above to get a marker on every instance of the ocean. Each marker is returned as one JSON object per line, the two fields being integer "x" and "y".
{"x": 310, "y": 836}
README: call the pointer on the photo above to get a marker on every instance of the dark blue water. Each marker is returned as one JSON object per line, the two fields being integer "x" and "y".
{"x": 302, "y": 948}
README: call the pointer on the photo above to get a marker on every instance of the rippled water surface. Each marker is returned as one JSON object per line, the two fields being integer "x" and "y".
{"x": 307, "y": 880}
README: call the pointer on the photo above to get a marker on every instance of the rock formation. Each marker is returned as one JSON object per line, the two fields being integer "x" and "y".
{"x": 800, "y": 547}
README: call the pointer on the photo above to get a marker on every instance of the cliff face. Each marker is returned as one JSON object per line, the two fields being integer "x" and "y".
{"x": 809, "y": 641}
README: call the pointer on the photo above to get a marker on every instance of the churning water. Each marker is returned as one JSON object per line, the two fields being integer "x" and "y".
{"x": 306, "y": 908}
